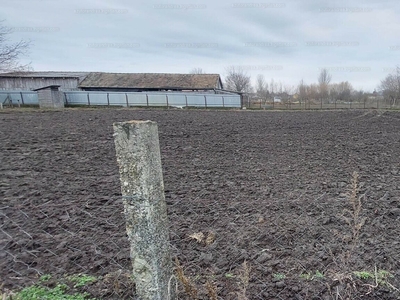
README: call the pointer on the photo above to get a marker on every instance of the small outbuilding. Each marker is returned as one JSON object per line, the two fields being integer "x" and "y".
{"x": 50, "y": 97}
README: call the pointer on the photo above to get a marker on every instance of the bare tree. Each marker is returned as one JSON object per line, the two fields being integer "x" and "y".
{"x": 390, "y": 87}
{"x": 272, "y": 86}
{"x": 262, "y": 88}
{"x": 197, "y": 71}
{"x": 237, "y": 79}
{"x": 312, "y": 92}
{"x": 302, "y": 92}
{"x": 324, "y": 78}
{"x": 10, "y": 53}
{"x": 341, "y": 91}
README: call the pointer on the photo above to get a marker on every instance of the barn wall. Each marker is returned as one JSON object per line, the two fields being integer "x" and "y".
{"x": 24, "y": 83}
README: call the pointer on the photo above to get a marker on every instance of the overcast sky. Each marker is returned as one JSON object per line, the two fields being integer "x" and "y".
{"x": 290, "y": 40}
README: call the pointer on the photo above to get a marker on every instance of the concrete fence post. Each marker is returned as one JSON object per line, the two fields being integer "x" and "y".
{"x": 138, "y": 156}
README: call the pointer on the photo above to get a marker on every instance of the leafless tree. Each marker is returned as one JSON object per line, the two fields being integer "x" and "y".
{"x": 262, "y": 88}
{"x": 312, "y": 92}
{"x": 324, "y": 78}
{"x": 302, "y": 92}
{"x": 237, "y": 79}
{"x": 197, "y": 71}
{"x": 390, "y": 87}
{"x": 10, "y": 53}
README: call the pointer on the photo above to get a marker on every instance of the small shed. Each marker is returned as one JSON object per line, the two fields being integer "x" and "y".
{"x": 50, "y": 97}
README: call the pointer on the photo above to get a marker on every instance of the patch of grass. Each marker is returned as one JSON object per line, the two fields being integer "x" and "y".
{"x": 229, "y": 275}
{"x": 380, "y": 278}
{"x": 311, "y": 276}
{"x": 37, "y": 292}
{"x": 81, "y": 279}
{"x": 279, "y": 276}
{"x": 45, "y": 278}
{"x": 363, "y": 275}
{"x": 48, "y": 288}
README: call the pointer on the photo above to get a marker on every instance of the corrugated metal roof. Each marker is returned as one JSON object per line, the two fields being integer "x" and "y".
{"x": 151, "y": 81}
{"x": 50, "y": 74}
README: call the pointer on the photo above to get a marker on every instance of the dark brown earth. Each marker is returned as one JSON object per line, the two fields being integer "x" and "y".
{"x": 271, "y": 186}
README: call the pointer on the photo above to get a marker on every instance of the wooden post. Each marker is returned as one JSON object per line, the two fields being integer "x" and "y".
{"x": 223, "y": 101}
{"x": 88, "y": 99}
{"x": 138, "y": 156}
{"x": 186, "y": 101}
{"x": 147, "y": 100}
{"x": 22, "y": 98}
{"x": 108, "y": 99}
{"x": 126, "y": 98}
{"x": 205, "y": 101}
{"x": 167, "y": 100}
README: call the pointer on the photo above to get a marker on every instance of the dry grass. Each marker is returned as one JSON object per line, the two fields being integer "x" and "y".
{"x": 244, "y": 279}
{"x": 188, "y": 285}
{"x": 201, "y": 238}
{"x": 198, "y": 236}
{"x": 211, "y": 290}
{"x": 352, "y": 216}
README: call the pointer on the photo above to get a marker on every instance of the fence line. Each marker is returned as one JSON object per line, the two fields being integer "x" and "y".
{"x": 180, "y": 100}
{"x": 321, "y": 105}
{"x": 129, "y": 99}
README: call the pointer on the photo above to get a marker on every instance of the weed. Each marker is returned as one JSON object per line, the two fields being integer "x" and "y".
{"x": 81, "y": 279}
{"x": 244, "y": 277}
{"x": 211, "y": 290}
{"x": 229, "y": 275}
{"x": 352, "y": 217}
{"x": 198, "y": 236}
{"x": 279, "y": 276}
{"x": 45, "y": 278}
{"x": 311, "y": 276}
{"x": 188, "y": 285}
{"x": 36, "y": 292}
{"x": 363, "y": 275}
{"x": 210, "y": 238}
{"x": 380, "y": 277}
{"x": 201, "y": 238}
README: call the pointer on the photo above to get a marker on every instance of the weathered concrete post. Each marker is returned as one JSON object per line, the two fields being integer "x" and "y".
{"x": 138, "y": 155}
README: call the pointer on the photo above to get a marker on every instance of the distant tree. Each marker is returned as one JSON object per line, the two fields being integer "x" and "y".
{"x": 197, "y": 71}
{"x": 302, "y": 92}
{"x": 10, "y": 53}
{"x": 237, "y": 80}
{"x": 262, "y": 88}
{"x": 272, "y": 87}
{"x": 324, "y": 78}
{"x": 390, "y": 87}
{"x": 359, "y": 96}
{"x": 312, "y": 91}
{"x": 341, "y": 91}
{"x": 287, "y": 93}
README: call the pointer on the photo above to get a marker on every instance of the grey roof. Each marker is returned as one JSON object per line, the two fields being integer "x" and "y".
{"x": 151, "y": 81}
{"x": 49, "y": 74}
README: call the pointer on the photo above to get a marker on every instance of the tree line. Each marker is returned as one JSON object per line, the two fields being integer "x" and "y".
{"x": 324, "y": 90}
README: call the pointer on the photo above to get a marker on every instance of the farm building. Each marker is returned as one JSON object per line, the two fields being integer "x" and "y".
{"x": 111, "y": 82}
{"x": 141, "y": 82}
{"x": 26, "y": 81}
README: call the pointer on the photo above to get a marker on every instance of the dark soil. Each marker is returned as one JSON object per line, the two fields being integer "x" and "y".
{"x": 271, "y": 186}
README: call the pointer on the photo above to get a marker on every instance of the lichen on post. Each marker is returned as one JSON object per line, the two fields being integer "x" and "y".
{"x": 138, "y": 156}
